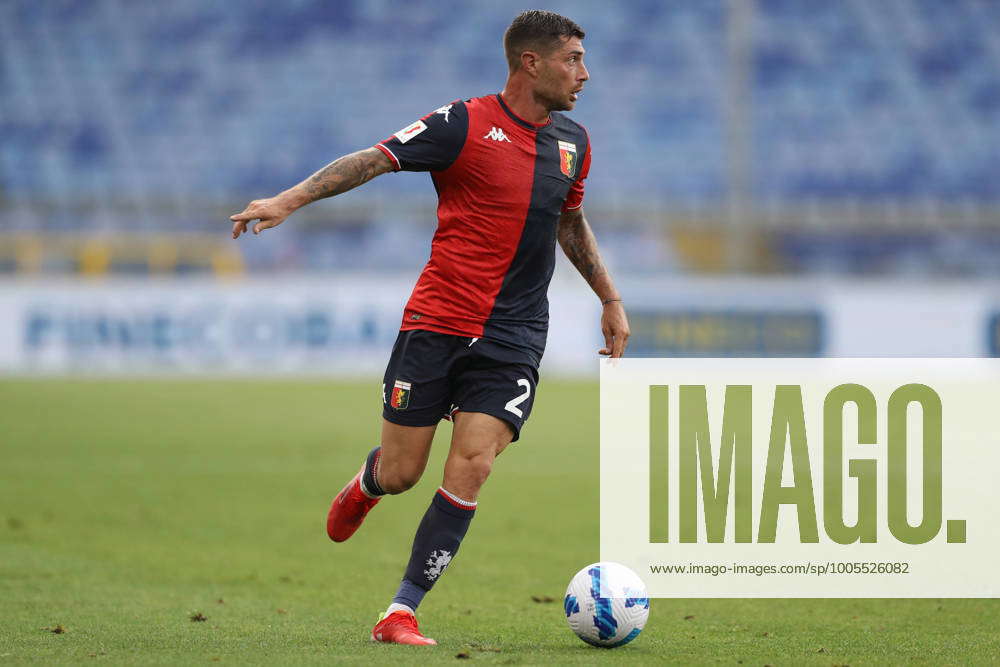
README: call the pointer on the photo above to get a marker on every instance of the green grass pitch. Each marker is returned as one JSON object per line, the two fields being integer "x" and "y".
{"x": 127, "y": 507}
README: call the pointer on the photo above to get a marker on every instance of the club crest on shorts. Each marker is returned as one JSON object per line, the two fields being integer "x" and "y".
{"x": 400, "y": 395}
{"x": 567, "y": 158}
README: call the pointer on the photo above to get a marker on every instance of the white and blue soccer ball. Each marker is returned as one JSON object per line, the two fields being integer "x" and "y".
{"x": 606, "y": 605}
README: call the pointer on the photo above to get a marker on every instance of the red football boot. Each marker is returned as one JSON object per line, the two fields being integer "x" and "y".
{"x": 348, "y": 510}
{"x": 400, "y": 627}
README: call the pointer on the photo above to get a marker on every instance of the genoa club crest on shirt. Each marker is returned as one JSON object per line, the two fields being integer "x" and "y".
{"x": 567, "y": 158}
{"x": 400, "y": 395}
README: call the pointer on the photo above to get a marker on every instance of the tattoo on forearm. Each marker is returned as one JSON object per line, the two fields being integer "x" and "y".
{"x": 580, "y": 246}
{"x": 346, "y": 173}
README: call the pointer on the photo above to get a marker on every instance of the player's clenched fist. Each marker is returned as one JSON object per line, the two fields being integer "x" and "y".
{"x": 269, "y": 212}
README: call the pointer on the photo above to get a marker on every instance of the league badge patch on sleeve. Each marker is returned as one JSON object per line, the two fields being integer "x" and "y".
{"x": 410, "y": 131}
{"x": 567, "y": 158}
{"x": 400, "y": 395}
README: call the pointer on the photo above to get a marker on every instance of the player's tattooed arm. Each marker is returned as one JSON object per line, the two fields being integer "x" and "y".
{"x": 580, "y": 245}
{"x": 341, "y": 175}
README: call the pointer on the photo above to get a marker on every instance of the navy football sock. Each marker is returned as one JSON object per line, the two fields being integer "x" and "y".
{"x": 435, "y": 545}
{"x": 369, "y": 483}
{"x": 409, "y": 594}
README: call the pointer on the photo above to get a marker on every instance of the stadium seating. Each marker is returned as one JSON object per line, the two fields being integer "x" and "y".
{"x": 146, "y": 115}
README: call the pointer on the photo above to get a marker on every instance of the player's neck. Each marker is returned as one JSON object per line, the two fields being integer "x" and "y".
{"x": 522, "y": 102}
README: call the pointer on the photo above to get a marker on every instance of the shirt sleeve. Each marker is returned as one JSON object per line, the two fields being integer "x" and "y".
{"x": 574, "y": 199}
{"x": 431, "y": 143}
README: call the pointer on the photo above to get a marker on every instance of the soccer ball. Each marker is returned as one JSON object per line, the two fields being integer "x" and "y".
{"x": 606, "y": 621}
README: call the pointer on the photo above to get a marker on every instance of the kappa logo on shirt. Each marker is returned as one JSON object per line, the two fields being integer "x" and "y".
{"x": 445, "y": 110}
{"x": 496, "y": 134}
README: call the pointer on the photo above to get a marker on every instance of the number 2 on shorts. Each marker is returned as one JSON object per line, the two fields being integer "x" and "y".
{"x": 517, "y": 400}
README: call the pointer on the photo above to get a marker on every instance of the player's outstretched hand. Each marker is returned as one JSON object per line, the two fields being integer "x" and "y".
{"x": 269, "y": 213}
{"x": 614, "y": 326}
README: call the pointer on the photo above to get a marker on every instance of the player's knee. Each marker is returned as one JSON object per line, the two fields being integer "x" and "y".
{"x": 475, "y": 470}
{"x": 399, "y": 479}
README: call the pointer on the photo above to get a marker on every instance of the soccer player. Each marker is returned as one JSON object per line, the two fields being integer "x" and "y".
{"x": 509, "y": 170}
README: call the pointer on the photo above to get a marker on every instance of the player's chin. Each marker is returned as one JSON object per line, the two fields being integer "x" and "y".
{"x": 565, "y": 105}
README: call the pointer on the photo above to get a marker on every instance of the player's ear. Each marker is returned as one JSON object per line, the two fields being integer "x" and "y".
{"x": 530, "y": 61}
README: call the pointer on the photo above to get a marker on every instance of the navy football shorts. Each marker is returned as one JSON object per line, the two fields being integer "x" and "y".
{"x": 431, "y": 376}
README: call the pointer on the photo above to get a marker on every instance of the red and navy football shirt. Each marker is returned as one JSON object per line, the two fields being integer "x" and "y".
{"x": 502, "y": 183}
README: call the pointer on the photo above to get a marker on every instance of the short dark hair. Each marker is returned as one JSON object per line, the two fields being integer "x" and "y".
{"x": 537, "y": 30}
